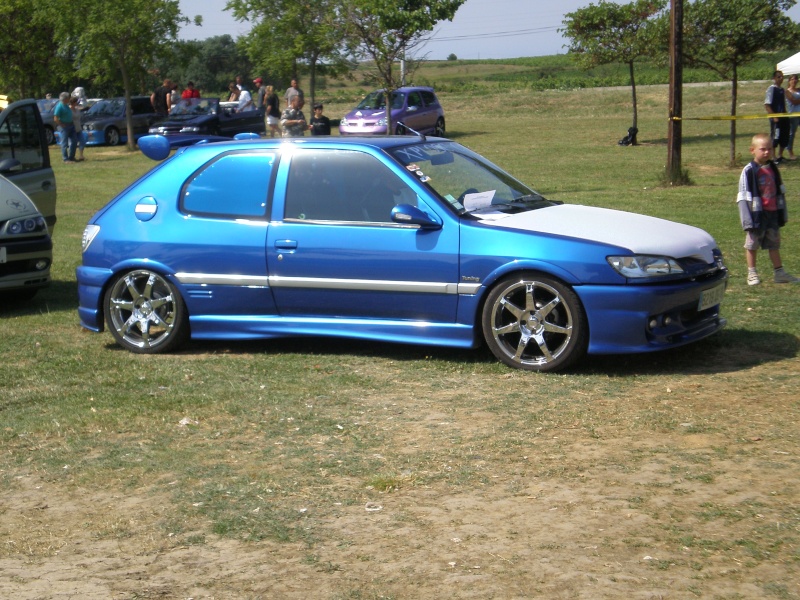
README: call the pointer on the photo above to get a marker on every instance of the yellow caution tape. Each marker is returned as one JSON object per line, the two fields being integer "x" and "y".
{"x": 737, "y": 117}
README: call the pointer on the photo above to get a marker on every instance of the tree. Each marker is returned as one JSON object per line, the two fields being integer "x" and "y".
{"x": 613, "y": 33}
{"x": 31, "y": 62}
{"x": 385, "y": 30}
{"x": 117, "y": 39}
{"x": 723, "y": 35}
{"x": 288, "y": 33}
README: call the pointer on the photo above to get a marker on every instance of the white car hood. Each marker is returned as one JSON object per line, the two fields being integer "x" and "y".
{"x": 638, "y": 233}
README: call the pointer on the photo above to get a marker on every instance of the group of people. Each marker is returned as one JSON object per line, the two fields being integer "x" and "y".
{"x": 761, "y": 198}
{"x": 166, "y": 96}
{"x": 67, "y": 117}
{"x": 292, "y": 121}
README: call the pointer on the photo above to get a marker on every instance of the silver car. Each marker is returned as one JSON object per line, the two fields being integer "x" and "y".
{"x": 26, "y": 250}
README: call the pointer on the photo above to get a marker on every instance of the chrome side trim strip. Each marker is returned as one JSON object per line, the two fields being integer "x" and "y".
{"x": 374, "y": 285}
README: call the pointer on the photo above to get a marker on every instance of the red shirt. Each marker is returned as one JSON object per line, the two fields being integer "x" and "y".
{"x": 768, "y": 188}
{"x": 187, "y": 93}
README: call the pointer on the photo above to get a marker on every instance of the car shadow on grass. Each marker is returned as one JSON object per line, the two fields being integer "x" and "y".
{"x": 730, "y": 351}
{"x": 57, "y": 297}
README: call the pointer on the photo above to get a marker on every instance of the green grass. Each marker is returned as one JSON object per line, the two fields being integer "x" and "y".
{"x": 686, "y": 456}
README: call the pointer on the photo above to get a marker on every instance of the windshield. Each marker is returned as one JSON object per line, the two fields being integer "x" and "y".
{"x": 467, "y": 181}
{"x": 107, "y": 108}
{"x": 377, "y": 101}
{"x": 46, "y": 106}
{"x": 195, "y": 106}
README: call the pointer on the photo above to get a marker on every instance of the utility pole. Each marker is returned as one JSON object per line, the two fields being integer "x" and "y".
{"x": 674, "y": 131}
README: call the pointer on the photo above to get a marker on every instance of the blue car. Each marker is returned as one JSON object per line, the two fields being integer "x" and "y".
{"x": 105, "y": 122}
{"x": 398, "y": 239}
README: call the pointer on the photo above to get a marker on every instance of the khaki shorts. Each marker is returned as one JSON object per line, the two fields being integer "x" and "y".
{"x": 766, "y": 238}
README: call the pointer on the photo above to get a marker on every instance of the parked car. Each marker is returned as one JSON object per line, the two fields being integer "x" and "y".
{"x": 415, "y": 108}
{"x": 205, "y": 116}
{"x": 26, "y": 251}
{"x": 105, "y": 121}
{"x": 25, "y": 156}
{"x": 46, "y": 107}
{"x": 392, "y": 239}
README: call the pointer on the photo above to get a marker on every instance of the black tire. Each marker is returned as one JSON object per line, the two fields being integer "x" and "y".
{"x": 534, "y": 322}
{"x": 400, "y": 130}
{"x": 438, "y": 130}
{"x": 50, "y": 135}
{"x": 145, "y": 313}
{"x": 112, "y": 136}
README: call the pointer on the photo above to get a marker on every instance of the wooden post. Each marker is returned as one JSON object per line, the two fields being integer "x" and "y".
{"x": 675, "y": 91}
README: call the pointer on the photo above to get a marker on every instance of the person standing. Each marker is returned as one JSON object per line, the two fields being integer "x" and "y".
{"x": 320, "y": 124}
{"x": 793, "y": 108}
{"x": 190, "y": 91}
{"x": 293, "y": 121}
{"x": 775, "y": 104}
{"x": 292, "y": 92}
{"x": 160, "y": 99}
{"x": 62, "y": 117}
{"x": 80, "y": 139}
{"x": 273, "y": 112}
{"x": 762, "y": 210}
{"x": 261, "y": 93}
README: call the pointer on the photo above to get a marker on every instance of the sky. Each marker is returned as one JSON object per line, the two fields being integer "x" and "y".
{"x": 480, "y": 28}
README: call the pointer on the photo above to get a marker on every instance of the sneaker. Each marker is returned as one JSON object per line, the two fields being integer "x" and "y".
{"x": 753, "y": 278}
{"x": 782, "y": 276}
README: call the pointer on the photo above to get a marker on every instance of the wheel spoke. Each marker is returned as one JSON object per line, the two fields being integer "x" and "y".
{"x": 521, "y": 346}
{"x": 512, "y": 308}
{"x": 555, "y": 328}
{"x": 539, "y": 337}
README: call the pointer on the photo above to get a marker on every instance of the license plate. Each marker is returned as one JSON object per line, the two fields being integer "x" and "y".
{"x": 712, "y": 297}
{"x": 3, "y": 255}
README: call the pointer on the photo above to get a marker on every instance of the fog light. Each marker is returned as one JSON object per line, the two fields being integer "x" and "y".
{"x": 41, "y": 264}
{"x": 667, "y": 320}
{"x": 653, "y": 324}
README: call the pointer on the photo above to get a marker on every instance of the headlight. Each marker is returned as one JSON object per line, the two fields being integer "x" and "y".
{"x": 344, "y": 122}
{"x": 381, "y": 122}
{"x": 26, "y": 226}
{"x": 89, "y": 234}
{"x": 638, "y": 267}
{"x": 190, "y": 130}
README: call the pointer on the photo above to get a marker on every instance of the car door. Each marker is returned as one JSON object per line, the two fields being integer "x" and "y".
{"x": 415, "y": 112}
{"x": 333, "y": 250}
{"x": 25, "y": 157}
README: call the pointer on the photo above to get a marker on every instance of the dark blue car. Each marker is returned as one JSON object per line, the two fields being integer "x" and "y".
{"x": 205, "y": 116}
{"x": 396, "y": 239}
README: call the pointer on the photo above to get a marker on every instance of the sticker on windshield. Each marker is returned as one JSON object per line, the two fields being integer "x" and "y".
{"x": 478, "y": 200}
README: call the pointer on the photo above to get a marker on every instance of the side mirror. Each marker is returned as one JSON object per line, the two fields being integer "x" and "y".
{"x": 405, "y": 214}
{"x": 10, "y": 165}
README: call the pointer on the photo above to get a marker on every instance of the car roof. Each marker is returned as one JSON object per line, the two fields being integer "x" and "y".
{"x": 336, "y": 142}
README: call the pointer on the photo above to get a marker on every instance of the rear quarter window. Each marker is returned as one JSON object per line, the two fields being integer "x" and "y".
{"x": 235, "y": 185}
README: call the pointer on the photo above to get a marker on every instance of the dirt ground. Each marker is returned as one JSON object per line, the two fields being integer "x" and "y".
{"x": 595, "y": 508}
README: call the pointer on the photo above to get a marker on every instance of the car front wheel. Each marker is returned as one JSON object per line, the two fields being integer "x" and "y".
{"x": 50, "y": 135}
{"x": 535, "y": 323}
{"x": 145, "y": 313}
{"x": 112, "y": 136}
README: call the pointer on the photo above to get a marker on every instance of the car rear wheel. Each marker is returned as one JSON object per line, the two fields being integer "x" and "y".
{"x": 535, "y": 323}
{"x": 438, "y": 130}
{"x": 145, "y": 313}
{"x": 50, "y": 135}
{"x": 112, "y": 136}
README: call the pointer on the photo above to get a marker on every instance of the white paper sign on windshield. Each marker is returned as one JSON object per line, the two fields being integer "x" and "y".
{"x": 478, "y": 200}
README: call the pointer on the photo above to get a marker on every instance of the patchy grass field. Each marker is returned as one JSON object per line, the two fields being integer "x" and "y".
{"x": 343, "y": 470}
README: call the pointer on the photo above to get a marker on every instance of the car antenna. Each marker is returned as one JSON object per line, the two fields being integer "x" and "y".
{"x": 404, "y": 126}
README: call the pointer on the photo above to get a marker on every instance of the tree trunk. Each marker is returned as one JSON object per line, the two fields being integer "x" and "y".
{"x": 734, "y": 96}
{"x": 633, "y": 93}
{"x": 126, "y": 84}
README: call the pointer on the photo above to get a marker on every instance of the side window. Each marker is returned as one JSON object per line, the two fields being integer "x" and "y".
{"x": 343, "y": 185}
{"x": 234, "y": 186}
{"x": 414, "y": 99}
{"x": 20, "y": 139}
{"x": 429, "y": 98}
{"x": 141, "y": 106}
